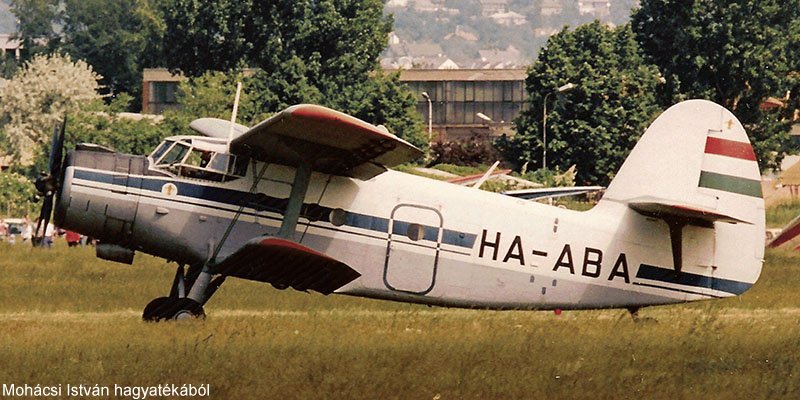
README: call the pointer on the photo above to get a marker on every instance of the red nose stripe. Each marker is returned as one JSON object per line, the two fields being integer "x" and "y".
{"x": 730, "y": 148}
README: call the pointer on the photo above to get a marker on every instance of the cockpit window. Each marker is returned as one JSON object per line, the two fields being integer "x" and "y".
{"x": 161, "y": 149}
{"x": 192, "y": 162}
{"x": 175, "y": 154}
{"x": 198, "y": 158}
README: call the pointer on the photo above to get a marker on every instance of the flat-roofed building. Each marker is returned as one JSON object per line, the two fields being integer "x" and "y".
{"x": 159, "y": 87}
{"x": 457, "y": 97}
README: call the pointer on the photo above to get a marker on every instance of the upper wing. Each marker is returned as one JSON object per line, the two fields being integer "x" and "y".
{"x": 284, "y": 263}
{"x": 333, "y": 142}
{"x": 551, "y": 192}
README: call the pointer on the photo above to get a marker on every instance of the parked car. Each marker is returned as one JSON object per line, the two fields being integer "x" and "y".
{"x": 15, "y": 225}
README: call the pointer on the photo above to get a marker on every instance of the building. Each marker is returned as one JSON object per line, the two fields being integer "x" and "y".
{"x": 457, "y": 97}
{"x": 509, "y": 58}
{"x": 10, "y": 45}
{"x": 158, "y": 90}
{"x": 466, "y": 34}
{"x": 510, "y": 18}
{"x": 597, "y": 8}
{"x": 490, "y": 7}
{"x": 550, "y": 7}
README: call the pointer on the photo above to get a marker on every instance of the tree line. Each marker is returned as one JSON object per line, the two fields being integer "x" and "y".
{"x": 737, "y": 53}
{"x": 324, "y": 52}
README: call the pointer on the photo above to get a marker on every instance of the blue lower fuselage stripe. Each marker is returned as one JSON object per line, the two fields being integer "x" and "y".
{"x": 666, "y": 275}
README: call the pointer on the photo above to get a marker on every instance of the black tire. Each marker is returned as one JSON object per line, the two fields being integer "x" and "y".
{"x": 156, "y": 310}
{"x": 168, "y": 308}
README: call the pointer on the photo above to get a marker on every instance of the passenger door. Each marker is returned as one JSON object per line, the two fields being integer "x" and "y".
{"x": 412, "y": 253}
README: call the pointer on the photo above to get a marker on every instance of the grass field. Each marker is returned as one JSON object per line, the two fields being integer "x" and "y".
{"x": 68, "y": 318}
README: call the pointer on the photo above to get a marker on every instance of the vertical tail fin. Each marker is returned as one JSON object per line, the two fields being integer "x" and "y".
{"x": 694, "y": 166}
{"x": 696, "y": 153}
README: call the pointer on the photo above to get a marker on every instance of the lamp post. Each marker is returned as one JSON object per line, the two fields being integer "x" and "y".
{"x": 483, "y": 117}
{"x": 487, "y": 119}
{"x": 561, "y": 89}
{"x": 430, "y": 116}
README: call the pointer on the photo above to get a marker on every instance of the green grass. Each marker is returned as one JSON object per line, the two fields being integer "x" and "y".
{"x": 67, "y": 317}
{"x": 783, "y": 213}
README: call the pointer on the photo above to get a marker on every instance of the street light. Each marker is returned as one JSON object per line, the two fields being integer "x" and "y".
{"x": 430, "y": 115}
{"x": 561, "y": 89}
{"x": 483, "y": 117}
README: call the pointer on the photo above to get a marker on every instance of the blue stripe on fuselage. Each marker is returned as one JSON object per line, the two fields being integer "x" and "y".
{"x": 653, "y": 273}
{"x": 262, "y": 202}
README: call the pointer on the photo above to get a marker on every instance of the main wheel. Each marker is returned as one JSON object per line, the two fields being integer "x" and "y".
{"x": 169, "y": 308}
{"x": 156, "y": 309}
{"x": 187, "y": 308}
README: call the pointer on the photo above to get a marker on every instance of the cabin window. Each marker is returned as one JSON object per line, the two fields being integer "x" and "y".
{"x": 219, "y": 162}
{"x": 338, "y": 217}
{"x": 415, "y": 232}
{"x": 239, "y": 166}
{"x": 197, "y": 173}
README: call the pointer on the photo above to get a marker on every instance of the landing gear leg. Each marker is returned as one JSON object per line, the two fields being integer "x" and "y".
{"x": 180, "y": 304}
{"x": 638, "y": 319}
{"x": 634, "y": 313}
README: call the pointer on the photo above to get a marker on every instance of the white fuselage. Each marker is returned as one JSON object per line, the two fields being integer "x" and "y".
{"x": 419, "y": 240}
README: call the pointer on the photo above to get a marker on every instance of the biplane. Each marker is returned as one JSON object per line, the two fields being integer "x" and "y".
{"x": 307, "y": 200}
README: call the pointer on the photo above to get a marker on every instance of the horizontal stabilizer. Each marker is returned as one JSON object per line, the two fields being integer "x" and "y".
{"x": 331, "y": 141}
{"x": 284, "y": 263}
{"x": 690, "y": 214}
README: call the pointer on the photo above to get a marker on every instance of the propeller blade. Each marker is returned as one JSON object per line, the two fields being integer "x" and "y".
{"x": 51, "y": 163}
{"x": 48, "y": 184}
{"x": 44, "y": 220}
{"x": 57, "y": 149}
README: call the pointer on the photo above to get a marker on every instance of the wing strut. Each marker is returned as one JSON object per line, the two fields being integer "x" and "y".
{"x": 302, "y": 177}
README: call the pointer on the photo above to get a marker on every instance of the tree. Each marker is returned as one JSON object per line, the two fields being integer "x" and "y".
{"x": 334, "y": 38}
{"x": 107, "y": 125}
{"x": 17, "y": 195}
{"x": 36, "y": 19}
{"x": 36, "y": 99}
{"x": 117, "y": 37}
{"x": 384, "y": 100}
{"x": 736, "y": 53}
{"x": 212, "y": 94}
{"x": 597, "y": 124}
{"x": 322, "y": 51}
